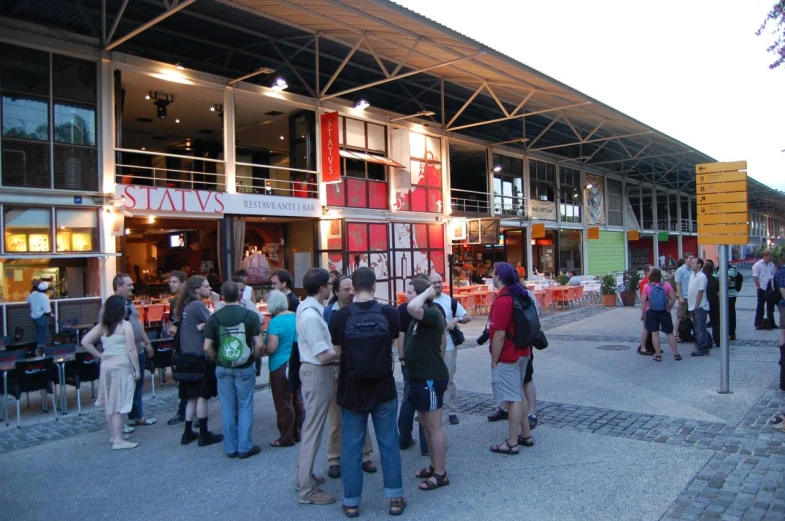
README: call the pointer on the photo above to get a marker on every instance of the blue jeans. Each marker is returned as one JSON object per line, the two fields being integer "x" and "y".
{"x": 236, "y": 386}
{"x": 406, "y": 416}
{"x": 353, "y": 429}
{"x": 702, "y": 340}
{"x": 41, "y": 325}
{"x": 137, "y": 411}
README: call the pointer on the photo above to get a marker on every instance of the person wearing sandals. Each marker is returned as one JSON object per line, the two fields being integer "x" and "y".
{"x": 428, "y": 377}
{"x": 365, "y": 331}
{"x": 119, "y": 367}
{"x": 508, "y": 363}
{"x": 657, "y": 320}
{"x": 281, "y": 337}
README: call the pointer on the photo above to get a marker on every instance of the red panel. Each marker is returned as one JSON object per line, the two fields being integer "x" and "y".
{"x": 418, "y": 200}
{"x": 689, "y": 245}
{"x": 378, "y": 237}
{"x": 437, "y": 258}
{"x": 433, "y": 174}
{"x": 357, "y": 197}
{"x": 377, "y": 195}
{"x": 436, "y": 235}
{"x": 434, "y": 200}
{"x": 331, "y": 160}
{"x": 358, "y": 236}
{"x": 335, "y": 194}
{"x": 420, "y": 236}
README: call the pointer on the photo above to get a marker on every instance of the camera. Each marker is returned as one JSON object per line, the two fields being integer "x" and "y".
{"x": 483, "y": 337}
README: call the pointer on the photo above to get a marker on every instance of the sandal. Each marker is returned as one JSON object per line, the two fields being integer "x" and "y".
{"x": 424, "y": 473}
{"x": 351, "y": 511}
{"x": 511, "y": 450}
{"x": 777, "y": 418}
{"x": 528, "y": 441}
{"x": 657, "y": 358}
{"x": 435, "y": 481}
{"x": 397, "y": 506}
{"x": 677, "y": 357}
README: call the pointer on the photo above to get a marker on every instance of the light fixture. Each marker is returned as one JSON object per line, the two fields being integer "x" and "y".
{"x": 128, "y": 231}
{"x": 151, "y": 219}
{"x": 161, "y": 101}
{"x": 143, "y": 148}
{"x": 279, "y": 85}
{"x": 147, "y": 96}
{"x": 218, "y": 107}
{"x": 282, "y": 138}
{"x": 179, "y": 66}
{"x": 362, "y": 105}
{"x": 589, "y": 186}
{"x": 497, "y": 168}
{"x": 177, "y": 120}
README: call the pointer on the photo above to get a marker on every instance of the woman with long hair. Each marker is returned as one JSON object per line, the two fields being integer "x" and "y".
{"x": 193, "y": 316}
{"x": 119, "y": 367}
{"x": 428, "y": 376}
{"x": 281, "y": 337}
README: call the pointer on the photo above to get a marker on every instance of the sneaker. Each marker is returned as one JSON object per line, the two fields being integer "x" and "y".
{"x": 256, "y": 449}
{"x": 125, "y": 437}
{"x": 532, "y": 421}
{"x": 499, "y": 414}
{"x": 175, "y": 420}
{"x": 700, "y": 352}
{"x": 127, "y": 429}
{"x": 124, "y": 445}
{"x": 210, "y": 439}
{"x": 188, "y": 438}
{"x": 317, "y": 497}
{"x": 454, "y": 419}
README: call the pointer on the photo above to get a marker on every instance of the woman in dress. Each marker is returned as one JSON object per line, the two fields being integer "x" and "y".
{"x": 119, "y": 367}
{"x": 281, "y": 336}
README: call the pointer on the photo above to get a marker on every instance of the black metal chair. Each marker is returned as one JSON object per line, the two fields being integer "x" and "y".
{"x": 31, "y": 375}
{"x": 84, "y": 369}
{"x": 28, "y": 347}
{"x": 163, "y": 357}
{"x": 19, "y": 334}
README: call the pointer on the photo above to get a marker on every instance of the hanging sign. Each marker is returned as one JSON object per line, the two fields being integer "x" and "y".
{"x": 633, "y": 235}
{"x": 538, "y": 231}
{"x": 593, "y": 233}
{"x": 331, "y": 158}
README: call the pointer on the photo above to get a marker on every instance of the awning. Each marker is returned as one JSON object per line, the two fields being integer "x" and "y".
{"x": 370, "y": 158}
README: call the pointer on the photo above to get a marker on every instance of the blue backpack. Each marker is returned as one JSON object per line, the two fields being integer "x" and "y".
{"x": 658, "y": 301}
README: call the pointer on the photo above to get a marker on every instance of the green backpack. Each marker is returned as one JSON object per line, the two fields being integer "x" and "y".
{"x": 233, "y": 350}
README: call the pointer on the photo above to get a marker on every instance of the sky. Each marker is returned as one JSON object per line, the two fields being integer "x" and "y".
{"x": 692, "y": 69}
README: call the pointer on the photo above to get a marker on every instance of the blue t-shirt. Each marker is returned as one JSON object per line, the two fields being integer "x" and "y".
{"x": 284, "y": 327}
{"x": 779, "y": 283}
{"x": 683, "y": 277}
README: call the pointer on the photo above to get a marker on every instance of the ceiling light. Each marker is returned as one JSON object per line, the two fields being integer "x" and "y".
{"x": 589, "y": 186}
{"x": 282, "y": 138}
{"x": 179, "y": 66}
{"x": 177, "y": 120}
{"x": 161, "y": 101}
{"x": 212, "y": 109}
{"x": 362, "y": 105}
{"x": 147, "y": 96}
{"x": 279, "y": 85}
{"x": 128, "y": 231}
{"x": 151, "y": 219}
{"x": 497, "y": 168}
{"x": 143, "y": 148}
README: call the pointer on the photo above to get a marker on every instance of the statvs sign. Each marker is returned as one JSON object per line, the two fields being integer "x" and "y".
{"x": 158, "y": 199}
{"x": 331, "y": 158}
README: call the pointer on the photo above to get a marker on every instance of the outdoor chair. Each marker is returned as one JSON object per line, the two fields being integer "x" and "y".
{"x": 28, "y": 347}
{"x": 19, "y": 334}
{"x": 163, "y": 358}
{"x": 31, "y": 375}
{"x": 547, "y": 301}
{"x": 155, "y": 314}
{"x": 84, "y": 369}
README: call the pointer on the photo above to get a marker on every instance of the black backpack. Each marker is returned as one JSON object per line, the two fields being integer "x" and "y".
{"x": 527, "y": 323}
{"x": 367, "y": 343}
{"x": 739, "y": 280}
{"x": 772, "y": 293}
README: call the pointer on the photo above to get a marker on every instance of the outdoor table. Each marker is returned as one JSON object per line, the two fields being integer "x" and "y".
{"x": 78, "y": 329}
{"x": 60, "y": 361}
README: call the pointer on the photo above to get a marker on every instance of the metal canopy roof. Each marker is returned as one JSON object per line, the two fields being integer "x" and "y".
{"x": 397, "y": 60}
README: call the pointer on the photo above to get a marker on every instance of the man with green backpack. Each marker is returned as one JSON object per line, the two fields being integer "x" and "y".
{"x": 233, "y": 338}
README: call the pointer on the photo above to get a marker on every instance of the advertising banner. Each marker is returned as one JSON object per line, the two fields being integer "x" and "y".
{"x": 331, "y": 158}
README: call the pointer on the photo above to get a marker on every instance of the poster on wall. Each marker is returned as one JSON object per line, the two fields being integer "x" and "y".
{"x": 458, "y": 230}
{"x": 543, "y": 210}
{"x": 595, "y": 199}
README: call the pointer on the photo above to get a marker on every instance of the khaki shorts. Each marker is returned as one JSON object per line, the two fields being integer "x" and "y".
{"x": 681, "y": 311}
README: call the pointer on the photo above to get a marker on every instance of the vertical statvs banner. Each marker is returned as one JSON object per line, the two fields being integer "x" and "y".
{"x": 331, "y": 158}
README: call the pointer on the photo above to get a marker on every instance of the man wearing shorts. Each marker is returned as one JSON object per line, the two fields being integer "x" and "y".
{"x": 682, "y": 280}
{"x": 659, "y": 320}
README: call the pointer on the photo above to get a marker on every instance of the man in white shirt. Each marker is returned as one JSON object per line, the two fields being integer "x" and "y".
{"x": 40, "y": 311}
{"x": 461, "y": 316}
{"x": 317, "y": 358}
{"x": 247, "y": 291}
{"x": 682, "y": 280}
{"x": 762, "y": 273}
{"x": 662, "y": 261}
{"x": 699, "y": 307}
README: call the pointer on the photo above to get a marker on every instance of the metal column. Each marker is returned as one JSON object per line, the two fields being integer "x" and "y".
{"x": 724, "y": 326}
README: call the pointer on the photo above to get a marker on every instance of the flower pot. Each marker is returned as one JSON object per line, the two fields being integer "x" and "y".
{"x": 609, "y": 301}
{"x": 628, "y": 298}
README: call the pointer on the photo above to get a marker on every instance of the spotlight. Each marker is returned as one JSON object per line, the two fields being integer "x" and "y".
{"x": 147, "y": 97}
{"x": 589, "y": 186}
{"x": 279, "y": 85}
{"x": 212, "y": 109}
{"x": 497, "y": 168}
{"x": 282, "y": 138}
{"x": 161, "y": 105}
{"x": 362, "y": 105}
{"x": 219, "y": 108}
{"x": 161, "y": 100}
{"x": 177, "y": 120}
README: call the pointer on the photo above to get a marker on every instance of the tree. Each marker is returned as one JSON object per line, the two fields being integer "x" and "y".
{"x": 776, "y": 18}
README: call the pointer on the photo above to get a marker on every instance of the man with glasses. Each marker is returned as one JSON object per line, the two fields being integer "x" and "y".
{"x": 282, "y": 281}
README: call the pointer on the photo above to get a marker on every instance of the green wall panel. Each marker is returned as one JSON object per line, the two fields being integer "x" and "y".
{"x": 606, "y": 253}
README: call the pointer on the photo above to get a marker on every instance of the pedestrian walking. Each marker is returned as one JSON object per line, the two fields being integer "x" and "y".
{"x": 657, "y": 300}
{"x": 762, "y": 272}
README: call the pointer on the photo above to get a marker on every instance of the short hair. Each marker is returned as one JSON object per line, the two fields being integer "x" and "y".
{"x": 700, "y": 262}
{"x": 335, "y": 274}
{"x": 655, "y": 275}
{"x": 647, "y": 270}
{"x": 240, "y": 273}
{"x": 276, "y": 302}
{"x": 765, "y": 252}
{"x": 118, "y": 279}
{"x": 238, "y": 279}
{"x": 313, "y": 280}
{"x": 230, "y": 292}
{"x": 286, "y": 278}
{"x": 422, "y": 276}
{"x": 680, "y": 263}
{"x": 573, "y": 273}
{"x": 420, "y": 285}
{"x": 179, "y": 275}
{"x": 687, "y": 255}
{"x": 363, "y": 279}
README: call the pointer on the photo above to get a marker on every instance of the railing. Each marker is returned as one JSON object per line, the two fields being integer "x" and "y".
{"x": 688, "y": 226}
{"x": 276, "y": 180}
{"x": 509, "y": 205}
{"x": 469, "y": 201}
{"x": 158, "y": 169}
{"x": 17, "y": 314}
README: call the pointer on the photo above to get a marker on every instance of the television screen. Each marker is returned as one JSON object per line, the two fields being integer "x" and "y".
{"x": 177, "y": 240}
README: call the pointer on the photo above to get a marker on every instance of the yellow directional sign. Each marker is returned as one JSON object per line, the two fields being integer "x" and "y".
{"x": 723, "y": 218}
{"x": 715, "y": 188}
{"x": 718, "y": 229}
{"x": 720, "y": 177}
{"x": 732, "y": 197}
{"x": 723, "y": 239}
{"x": 707, "y": 168}
{"x": 707, "y": 209}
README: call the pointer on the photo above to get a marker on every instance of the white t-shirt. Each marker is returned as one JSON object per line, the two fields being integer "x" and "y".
{"x": 764, "y": 272}
{"x": 697, "y": 283}
{"x": 248, "y": 293}
{"x": 444, "y": 301}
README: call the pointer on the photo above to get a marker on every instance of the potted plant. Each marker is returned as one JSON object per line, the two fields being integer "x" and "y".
{"x": 631, "y": 280}
{"x": 562, "y": 279}
{"x": 608, "y": 289}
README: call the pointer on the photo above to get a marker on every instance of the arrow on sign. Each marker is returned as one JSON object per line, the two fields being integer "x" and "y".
{"x": 701, "y": 168}
{"x": 703, "y": 199}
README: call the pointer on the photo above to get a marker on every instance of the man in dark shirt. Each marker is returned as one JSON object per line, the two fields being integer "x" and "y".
{"x": 282, "y": 281}
{"x": 359, "y": 397}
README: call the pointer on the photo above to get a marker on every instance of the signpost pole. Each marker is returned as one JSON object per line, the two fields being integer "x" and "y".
{"x": 724, "y": 325}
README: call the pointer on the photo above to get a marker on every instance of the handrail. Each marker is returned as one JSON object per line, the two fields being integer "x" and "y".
{"x": 240, "y": 163}
{"x": 145, "y": 152}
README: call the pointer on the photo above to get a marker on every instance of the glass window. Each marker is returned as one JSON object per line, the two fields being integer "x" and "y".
{"x": 542, "y": 180}
{"x": 570, "y": 245}
{"x": 27, "y": 229}
{"x": 25, "y": 117}
{"x": 25, "y": 70}
{"x": 77, "y": 230}
{"x": 615, "y": 203}
{"x": 571, "y": 195}
{"x": 355, "y": 168}
{"x": 73, "y": 79}
{"x": 74, "y": 124}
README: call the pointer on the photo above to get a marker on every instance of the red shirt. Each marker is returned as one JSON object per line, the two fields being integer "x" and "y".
{"x": 642, "y": 284}
{"x": 501, "y": 320}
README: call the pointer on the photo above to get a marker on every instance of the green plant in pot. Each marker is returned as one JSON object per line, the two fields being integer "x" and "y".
{"x": 631, "y": 280}
{"x": 562, "y": 279}
{"x": 608, "y": 289}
